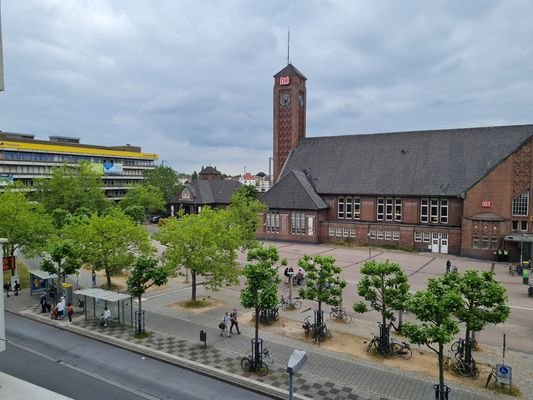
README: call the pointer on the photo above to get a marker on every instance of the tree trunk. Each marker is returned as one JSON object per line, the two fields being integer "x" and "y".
{"x": 256, "y": 324}
{"x": 193, "y": 293}
{"x": 468, "y": 347}
{"x": 139, "y": 331}
{"x": 441, "y": 371}
{"x": 108, "y": 277}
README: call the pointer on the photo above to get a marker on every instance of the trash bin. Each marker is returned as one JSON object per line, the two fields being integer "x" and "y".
{"x": 525, "y": 276}
{"x": 203, "y": 337}
{"x": 446, "y": 391}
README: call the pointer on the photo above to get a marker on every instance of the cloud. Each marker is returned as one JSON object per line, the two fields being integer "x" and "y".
{"x": 192, "y": 80}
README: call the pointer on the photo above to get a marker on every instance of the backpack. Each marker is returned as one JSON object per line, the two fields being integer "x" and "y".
{"x": 222, "y": 325}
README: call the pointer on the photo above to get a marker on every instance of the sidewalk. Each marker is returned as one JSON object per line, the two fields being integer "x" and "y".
{"x": 326, "y": 375}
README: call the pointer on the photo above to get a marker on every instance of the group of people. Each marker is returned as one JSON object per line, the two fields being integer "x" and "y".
{"x": 61, "y": 309}
{"x": 229, "y": 321}
{"x": 297, "y": 279}
{"x": 16, "y": 288}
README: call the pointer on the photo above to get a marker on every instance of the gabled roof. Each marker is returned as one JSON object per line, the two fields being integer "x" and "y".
{"x": 439, "y": 162}
{"x": 290, "y": 70}
{"x": 212, "y": 192}
{"x": 293, "y": 191}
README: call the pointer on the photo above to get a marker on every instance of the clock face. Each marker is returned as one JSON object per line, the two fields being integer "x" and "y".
{"x": 301, "y": 100}
{"x": 284, "y": 99}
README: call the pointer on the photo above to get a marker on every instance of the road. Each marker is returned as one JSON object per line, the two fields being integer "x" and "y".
{"x": 85, "y": 369}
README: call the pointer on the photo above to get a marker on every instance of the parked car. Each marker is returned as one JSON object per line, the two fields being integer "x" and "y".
{"x": 155, "y": 219}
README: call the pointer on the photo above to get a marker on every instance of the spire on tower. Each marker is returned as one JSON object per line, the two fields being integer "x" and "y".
{"x": 288, "y": 45}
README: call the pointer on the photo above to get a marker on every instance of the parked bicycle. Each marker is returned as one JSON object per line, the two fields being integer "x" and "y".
{"x": 286, "y": 303}
{"x": 340, "y": 313}
{"x": 512, "y": 270}
{"x": 250, "y": 364}
{"x": 267, "y": 317}
{"x": 401, "y": 349}
{"x": 458, "y": 365}
{"x": 267, "y": 357}
{"x": 492, "y": 374}
{"x": 374, "y": 343}
{"x": 318, "y": 333}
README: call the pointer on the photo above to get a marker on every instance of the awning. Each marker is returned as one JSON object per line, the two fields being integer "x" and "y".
{"x": 520, "y": 237}
{"x": 42, "y": 274}
{"x": 102, "y": 294}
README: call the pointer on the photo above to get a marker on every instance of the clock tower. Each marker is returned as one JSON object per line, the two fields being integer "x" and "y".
{"x": 289, "y": 114}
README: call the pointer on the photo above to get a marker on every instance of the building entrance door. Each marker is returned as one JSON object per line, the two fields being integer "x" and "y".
{"x": 439, "y": 243}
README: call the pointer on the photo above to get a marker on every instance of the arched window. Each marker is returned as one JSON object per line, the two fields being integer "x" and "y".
{"x": 521, "y": 204}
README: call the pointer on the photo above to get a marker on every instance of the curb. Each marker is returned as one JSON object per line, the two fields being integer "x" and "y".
{"x": 240, "y": 381}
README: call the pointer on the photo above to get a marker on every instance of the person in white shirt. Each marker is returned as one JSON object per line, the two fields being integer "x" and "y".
{"x": 60, "y": 309}
{"x": 106, "y": 316}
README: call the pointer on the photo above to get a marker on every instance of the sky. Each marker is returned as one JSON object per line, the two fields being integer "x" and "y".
{"x": 192, "y": 80}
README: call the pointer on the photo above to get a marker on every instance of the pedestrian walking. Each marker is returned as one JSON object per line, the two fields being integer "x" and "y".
{"x": 227, "y": 322}
{"x": 234, "y": 322}
{"x": 448, "y": 266}
{"x": 7, "y": 288}
{"x": 70, "y": 311}
{"x": 42, "y": 302}
{"x": 60, "y": 308}
{"x": 17, "y": 288}
{"x": 222, "y": 327}
{"x": 93, "y": 277}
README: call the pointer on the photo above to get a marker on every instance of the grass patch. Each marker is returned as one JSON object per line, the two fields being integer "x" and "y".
{"x": 514, "y": 391}
{"x": 196, "y": 303}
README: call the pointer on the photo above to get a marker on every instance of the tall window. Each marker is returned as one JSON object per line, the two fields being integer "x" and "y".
{"x": 444, "y": 211}
{"x": 434, "y": 211}
{"x": 298, "y": 223}
{"x": 388, "y": 209}
{"x": 356, "y": 208}
{"x": 349, "y": 207}
{"x": 424, "y": 210}
{"x": 380, "y": 209}
{"x": 272, "y": 222}
{"x": 520, "y": 204}
{"x": 340, "y": 208}
{"x": 398, "y": 210}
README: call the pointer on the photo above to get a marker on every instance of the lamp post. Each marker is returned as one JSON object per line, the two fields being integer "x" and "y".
{"x": 296, "y": 361}
{"x": 2, "y": 320}
{"x": 369, "y": 246}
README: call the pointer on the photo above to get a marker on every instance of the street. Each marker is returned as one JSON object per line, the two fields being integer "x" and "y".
{"x": 85, "y": 369}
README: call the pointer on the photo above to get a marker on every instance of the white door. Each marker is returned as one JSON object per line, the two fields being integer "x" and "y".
{"x": 444, "y": 243}
{"x": 435, "y": 242}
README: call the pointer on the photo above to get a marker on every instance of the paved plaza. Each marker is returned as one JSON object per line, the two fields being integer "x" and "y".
{"x": 326, "y": 375}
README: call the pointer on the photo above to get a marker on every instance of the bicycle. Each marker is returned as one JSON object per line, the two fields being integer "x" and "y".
{"x": 492, "y": 374}
{"x": 458, "y": 347}
{"x": 267, "y": 356}
{"x": 286, "y": 304}
{"x": 402, "y": 349}
{"x": 249, "y": 364}
{"x": 308, "y": 327}
{"x": 267, "y": 317}
{"x": 375, "y": 342}
{"x": 512, "y": 270}
{"x": 467, "y": 369}
{"x": 321, "y": 333}
{"x": 340, "y": 313}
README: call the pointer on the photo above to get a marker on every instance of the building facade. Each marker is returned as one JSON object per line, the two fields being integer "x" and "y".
{"x": 24, "y": 158}
{"x": 458, "y": 191}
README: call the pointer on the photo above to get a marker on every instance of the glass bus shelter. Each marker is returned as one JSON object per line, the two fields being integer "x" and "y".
{"x": 95, "y": 300}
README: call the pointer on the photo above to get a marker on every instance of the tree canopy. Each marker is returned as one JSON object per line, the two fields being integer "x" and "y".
{"x": 244, "y": 210}
{"x": 434, "y": 308}
{"x": 72, "y": 187}
{"x": 149, "y": 197}
{"x": 110, "y": 242}
{"x": 384, "y": 286}
{"x": 323, "y": 282}
{"x": 206, "y": 244}
{"x": 24, "y": 224}
{"x": 164, "y": 178}
{"x": 262, "y": 281}
{"x": 62, "y": 258}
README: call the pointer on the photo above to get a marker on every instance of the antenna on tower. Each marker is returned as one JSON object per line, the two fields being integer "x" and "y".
{"x": 288, "y": 44}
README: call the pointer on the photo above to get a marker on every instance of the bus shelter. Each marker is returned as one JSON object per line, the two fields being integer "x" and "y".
{"x": 40, "y": 281}
{"x": 95, "y": 300}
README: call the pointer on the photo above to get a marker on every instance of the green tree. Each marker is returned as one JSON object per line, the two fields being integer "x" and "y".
{"x": 194, "y": 176}
{"x": 262, "y": 281}
{"x": 149, "y": 197}
{"x": 60, "y": 218}
{"x": 245, "y": 210}
{"x": 385, "y": 287}
{"x": 323, "y": 282}
{"x": 205, "y": 244}
{"x": 70, "y": 188}
{"x": 164, "y": 178}
{"x": 136, "y": 213}
{"x": 62, "y": 258}
{"x": 483, "y": 301}
{"x": 24, "y": 224}
{"x": 145, "y": 273}
{"x": 434, "y": 308}
{"x": 110, "y": 242}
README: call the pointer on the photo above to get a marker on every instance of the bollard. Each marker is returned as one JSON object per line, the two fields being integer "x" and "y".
{"x": 203, "y": 337}
{"x": 438, "y": 391}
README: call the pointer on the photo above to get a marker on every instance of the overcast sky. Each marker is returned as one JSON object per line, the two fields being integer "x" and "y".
{"x": 192, "y": 80}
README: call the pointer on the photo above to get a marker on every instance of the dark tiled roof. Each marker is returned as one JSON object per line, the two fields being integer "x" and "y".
{"x": 209, "y": 170}
{"x": 440, "y": 162}
{"x": 289, "y": 70}
{"x": 293, "y": 191}
{"x": 212, "y": 192}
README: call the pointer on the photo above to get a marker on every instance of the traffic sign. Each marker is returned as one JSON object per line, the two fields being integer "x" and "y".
{"x": 504, "y": 374}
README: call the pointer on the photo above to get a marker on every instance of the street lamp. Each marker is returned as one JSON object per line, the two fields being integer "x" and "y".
{"x": 296, "y": 361}
{"x": 2, "y": 321}
{"x": 369, "y": 246}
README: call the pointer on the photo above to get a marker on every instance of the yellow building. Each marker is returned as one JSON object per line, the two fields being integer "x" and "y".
{"x": 24, "y": 158}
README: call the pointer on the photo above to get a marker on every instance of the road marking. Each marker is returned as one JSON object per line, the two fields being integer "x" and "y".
{"x": 85, "y": 372}
{"x": 521, "y": 308}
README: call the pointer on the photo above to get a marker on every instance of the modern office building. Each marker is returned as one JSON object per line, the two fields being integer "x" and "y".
{"x": 24, "y": 158}
{"x": 460, "y": 191}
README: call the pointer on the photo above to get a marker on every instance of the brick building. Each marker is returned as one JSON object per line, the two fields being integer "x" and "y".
{"x": 459, "y": 191}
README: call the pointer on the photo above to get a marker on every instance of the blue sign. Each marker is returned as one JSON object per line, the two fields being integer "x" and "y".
{"x": 504, "y": 373}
